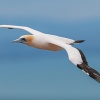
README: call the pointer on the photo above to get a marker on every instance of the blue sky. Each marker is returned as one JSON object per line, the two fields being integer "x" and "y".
{"x": 66, "y": 10}
{"x": 30, "y": 73}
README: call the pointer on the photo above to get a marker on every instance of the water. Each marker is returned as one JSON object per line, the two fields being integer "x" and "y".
{"x": 49, "y": 78}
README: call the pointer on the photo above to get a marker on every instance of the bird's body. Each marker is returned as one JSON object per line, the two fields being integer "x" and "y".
{"x": 40, "y": 40}
{"x": 51, "y": 42}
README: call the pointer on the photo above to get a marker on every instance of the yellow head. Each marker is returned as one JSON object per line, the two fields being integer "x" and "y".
{"x": 25, "y": 39}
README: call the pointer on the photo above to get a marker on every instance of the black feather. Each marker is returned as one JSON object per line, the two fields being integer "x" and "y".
{"x": 79, "y": 41}
{"x": 10, "y": 28}
{"x": 85, "y": 67}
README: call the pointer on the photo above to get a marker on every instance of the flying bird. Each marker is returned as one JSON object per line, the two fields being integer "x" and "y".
{"x": 55, "y": 43}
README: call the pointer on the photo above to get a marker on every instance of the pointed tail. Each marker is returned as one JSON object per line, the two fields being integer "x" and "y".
{"x": 79, "y": 41}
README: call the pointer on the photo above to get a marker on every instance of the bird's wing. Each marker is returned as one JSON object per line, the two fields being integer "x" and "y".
{"x": 73, "y": 53}
{"x": 30, "y": 30}
{"x": 90, "y": 71}
{"x": 77, "y": 57}
{"x": 65, "y": 40}
{"x": 87, "y": 69}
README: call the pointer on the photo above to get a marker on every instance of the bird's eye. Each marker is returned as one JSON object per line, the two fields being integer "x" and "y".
{"x": 23, "y": 40}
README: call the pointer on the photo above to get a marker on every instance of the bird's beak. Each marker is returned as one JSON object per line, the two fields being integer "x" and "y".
{"x": 16, "y": 41}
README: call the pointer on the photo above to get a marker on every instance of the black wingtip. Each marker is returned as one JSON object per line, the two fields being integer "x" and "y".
{"x": 90, "y": 71}
{"x": 94, "y": 74}
{"x": 10, "y": 28}
{"x": 79, "y": 41}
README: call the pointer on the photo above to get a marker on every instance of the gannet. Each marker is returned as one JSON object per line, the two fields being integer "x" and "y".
{"x": 51, "y": 42}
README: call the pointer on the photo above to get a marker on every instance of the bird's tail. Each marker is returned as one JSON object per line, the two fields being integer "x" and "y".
{"x": 94, "y": 74}
{"x": 79, "y": 41}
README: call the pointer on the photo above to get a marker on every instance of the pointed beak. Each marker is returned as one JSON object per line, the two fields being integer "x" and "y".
{"x": 16, "y": 41}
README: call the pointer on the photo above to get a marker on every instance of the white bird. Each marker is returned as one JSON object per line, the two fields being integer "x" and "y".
{"x": 55, "y": 43}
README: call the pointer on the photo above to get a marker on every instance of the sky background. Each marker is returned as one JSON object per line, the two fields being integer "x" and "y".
{"x": 27, "y": 73}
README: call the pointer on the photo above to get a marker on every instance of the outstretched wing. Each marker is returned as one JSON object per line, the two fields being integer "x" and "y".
{"x": 30, "y": 30}
{"x": 88, "y": 70}
{"x": 73, "y": 53}
{"x": 77, "y": 57}
{"x": 65, "y": 40}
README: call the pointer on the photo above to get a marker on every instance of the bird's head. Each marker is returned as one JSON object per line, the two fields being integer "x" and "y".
{"x": 25, "y": 39}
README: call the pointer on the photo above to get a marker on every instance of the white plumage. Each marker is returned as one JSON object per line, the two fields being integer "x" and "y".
{"x": 55, "y": 43}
